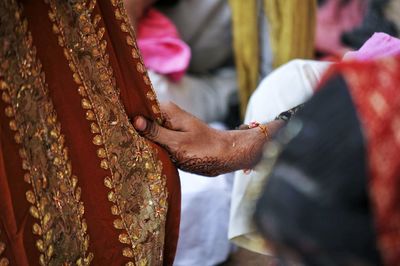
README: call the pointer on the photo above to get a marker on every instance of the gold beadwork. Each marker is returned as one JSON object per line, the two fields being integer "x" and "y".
{"x": 13, "y": 125}
{"x": 5, "y": 97}
{"x": 124, "y": 238}
{"x": 4, "y": 262}
{"x": 115, "y": 210}
{"x": 2, "y": 248}
{"x": 118, "y": 14}
{"x": 135, "y": 54}
{"x": 36, "y": 229}
{"x": 30, "y": 197}
{"x": 104, "y": 164}
{"x": 126, "y": 152}
{"x": 90, "y": 115}
{"x": 128, "y": 252}
{"x": 118, "y": 224}
{"x": 9, "y": 111}
{"x": 94, "y": 128}
{"x": 101, "y": 32}
{"x": 108, "y": 182}
{"x": 3, "y": 85}
{"x": 140, "y": 67}
{"x": 101, "y": 153}
{"x": 155, "y": 109}
{"x": 96, "y": 20}
{"x": 111, "y": 196}
{"x": 25, "y": 89}
{"x": 40, "y": 245}
{"x": 150, "y": 95}
{"x": 124, "y": 27}
{"x": 97, "y": 140}
{"x": 34, "y": 212}
{"x": 86, "y": 104}
{"x": 130, "y": 41}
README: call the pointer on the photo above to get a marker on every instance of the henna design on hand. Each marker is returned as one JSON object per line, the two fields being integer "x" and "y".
{"x": 167, "y": 120}
{"x": 214, "y": 166}
{"x": 207, "y": 166}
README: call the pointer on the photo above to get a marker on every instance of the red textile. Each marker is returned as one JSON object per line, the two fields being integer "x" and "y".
{"x": 16, "y": 222}
{"x": 375, "y": 89}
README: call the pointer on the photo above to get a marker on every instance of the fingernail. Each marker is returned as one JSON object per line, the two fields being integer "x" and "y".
{"x": 140, "y": 123}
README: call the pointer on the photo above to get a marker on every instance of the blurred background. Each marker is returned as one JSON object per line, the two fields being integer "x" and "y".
{"x": 209, "y": 56}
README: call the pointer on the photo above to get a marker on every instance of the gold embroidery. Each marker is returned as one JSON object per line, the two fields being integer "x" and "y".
{"x": 54, "y": 196}
{"x": 137, "y": 186}
{"x": 121, "y": 15}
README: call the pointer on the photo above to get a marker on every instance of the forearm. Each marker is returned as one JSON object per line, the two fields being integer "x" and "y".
{"x": 248, "y": 145}
{"x": 232, "y": 150}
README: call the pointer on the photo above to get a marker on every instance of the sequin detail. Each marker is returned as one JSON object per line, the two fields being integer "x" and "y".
{"x": 137, "y": 187}
{"x": 125, "y": 26}
{"x": 60, "y": 226}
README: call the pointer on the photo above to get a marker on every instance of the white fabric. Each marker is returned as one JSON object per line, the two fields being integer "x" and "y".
{"x": 205, "y": 96}
{"x": 288, "y": 86}
{"x": 203, "y": 236}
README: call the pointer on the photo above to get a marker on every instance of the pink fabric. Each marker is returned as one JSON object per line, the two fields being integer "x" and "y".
{"x": 162, "y": 49}
{"x": 378, "y": 46}
{"x": 333, "y": 19}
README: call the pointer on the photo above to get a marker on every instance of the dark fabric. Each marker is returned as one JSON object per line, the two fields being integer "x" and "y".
{"x": 289, "y": 114}
{"x": 166, "y": 3}
{"x": 315, "y": 205}
{"x": 374, "y": 21}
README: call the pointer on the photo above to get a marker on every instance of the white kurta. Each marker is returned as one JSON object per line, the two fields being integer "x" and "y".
{"x": 288, "y": 86}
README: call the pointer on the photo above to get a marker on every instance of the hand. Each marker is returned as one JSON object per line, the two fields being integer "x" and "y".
{"x": 198, "y": 148}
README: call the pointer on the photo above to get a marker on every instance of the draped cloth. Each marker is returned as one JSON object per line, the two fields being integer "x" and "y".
{"x": 285, "y": 88}
{"x": 335, "y": 184}
{"x": 292, "y": 25}
{"x": 377, "y": 101}
{"x": 78, "y": 184}
{"x": 288, "y": 86}
{"x": 292, "y": 30}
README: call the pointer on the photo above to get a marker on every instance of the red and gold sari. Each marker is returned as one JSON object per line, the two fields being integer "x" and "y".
{"x": 78, "y": 185}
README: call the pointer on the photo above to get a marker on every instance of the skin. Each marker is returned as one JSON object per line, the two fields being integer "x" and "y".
{"x": 197, "y": 148}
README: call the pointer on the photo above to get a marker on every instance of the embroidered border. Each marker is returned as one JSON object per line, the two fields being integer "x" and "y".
{"x": 137, "y": 187}
{"x": 55, "y": 196}
{"x": 125, "y": 26}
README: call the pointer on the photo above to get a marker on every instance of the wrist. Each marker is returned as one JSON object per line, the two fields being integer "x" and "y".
{"x": 244, "y": 147}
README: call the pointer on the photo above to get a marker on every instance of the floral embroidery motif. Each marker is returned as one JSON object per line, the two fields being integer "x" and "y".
{"x": 137, "y": 187}
{"x": 55, "y": 196}
{"x": 375, "y": 97}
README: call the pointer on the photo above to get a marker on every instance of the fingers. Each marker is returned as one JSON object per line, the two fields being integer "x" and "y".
{"x": 155, "y": 132}
{"x": 176, "y": 118}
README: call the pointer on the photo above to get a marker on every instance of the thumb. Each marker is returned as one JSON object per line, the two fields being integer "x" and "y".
{"x": 153, "y": 131}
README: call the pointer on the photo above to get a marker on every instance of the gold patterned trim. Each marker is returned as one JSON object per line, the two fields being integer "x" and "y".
{"x": 55, "y": 196}
{"x": 125, "y": 26}
{"x": 137, "y": 187}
